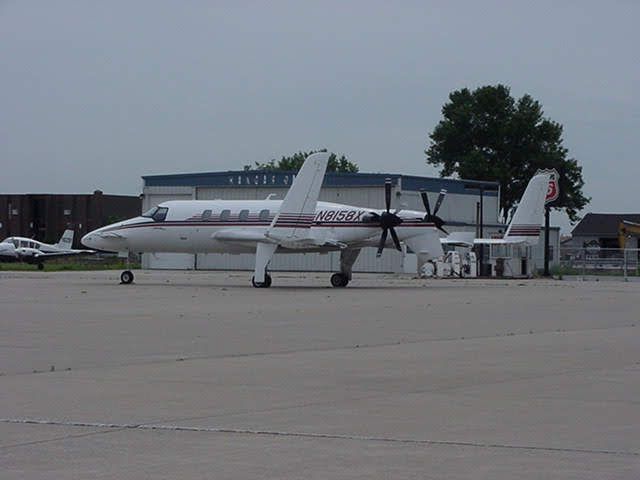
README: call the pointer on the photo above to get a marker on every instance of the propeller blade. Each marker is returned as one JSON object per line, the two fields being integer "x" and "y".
{"x": 441, "y": 196}
{"x": 383, "y": 240}
{"x": 387, "y": 193}
{"x": 441, "y": 228}
{"x": 425, "y": 201}
{"x": 395, "y": 239}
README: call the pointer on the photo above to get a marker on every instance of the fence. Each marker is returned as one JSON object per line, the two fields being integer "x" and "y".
{"x": 599, "y": 261}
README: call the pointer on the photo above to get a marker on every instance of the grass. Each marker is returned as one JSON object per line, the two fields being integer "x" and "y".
{"x": 59, "y": 266}
{"x": 559, "y": 271}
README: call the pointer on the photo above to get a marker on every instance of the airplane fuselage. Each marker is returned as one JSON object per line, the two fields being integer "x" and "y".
{"x": 235, "y": 226}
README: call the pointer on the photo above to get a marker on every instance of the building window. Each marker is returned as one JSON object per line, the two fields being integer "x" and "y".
{"x": 244, "y": 215}
{"x": 224, "y": 215}
{"x": 264, "y": 215}
{"x": 67, "y": 212}
{"x": 500, "y": 251}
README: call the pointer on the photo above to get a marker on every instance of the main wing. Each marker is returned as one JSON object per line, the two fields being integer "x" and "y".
{"x": 72, "y": 253}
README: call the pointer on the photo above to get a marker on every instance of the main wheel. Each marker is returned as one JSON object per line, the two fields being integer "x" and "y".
{"x": 339, "y": 280}
{"x": 40, "y": 266}
{"x": 265, "y": 284}
{"x": 126, "y": 277}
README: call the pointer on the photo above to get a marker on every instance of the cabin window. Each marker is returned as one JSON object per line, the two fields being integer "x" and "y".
{"x": 264, "y": 215}
{"x": 206, "y": 215}
{"x": 244, "y": 215}
{"x": 224, "y": 215}
{"x": 160, "y": 214}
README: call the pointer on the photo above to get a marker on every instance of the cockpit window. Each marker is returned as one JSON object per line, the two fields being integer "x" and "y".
{"x": 149, "y": 213}
{"x": 160, "y": 214}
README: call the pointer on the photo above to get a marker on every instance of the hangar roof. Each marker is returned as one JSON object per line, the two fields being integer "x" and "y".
{"x": 602, "y": 224}
{"x": 256, "y": 178}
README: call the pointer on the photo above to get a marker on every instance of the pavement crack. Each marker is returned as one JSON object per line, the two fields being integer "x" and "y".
{"x": 307, "y": 435}
{"x": 357, "y": 346}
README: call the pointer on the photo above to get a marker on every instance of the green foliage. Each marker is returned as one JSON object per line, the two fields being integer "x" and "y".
{"x": 73, "y": 264}
{"x": 295, "y": 161}
{"x": 486, "y": 134}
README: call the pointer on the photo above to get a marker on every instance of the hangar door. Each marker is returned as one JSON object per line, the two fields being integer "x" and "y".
{"x": 167, "y": 261}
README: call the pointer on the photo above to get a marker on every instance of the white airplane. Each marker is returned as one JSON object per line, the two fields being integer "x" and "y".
{"x": 297, "y": 224}
{"x": 524, "y": 228}
{"x": 21, "y": 249}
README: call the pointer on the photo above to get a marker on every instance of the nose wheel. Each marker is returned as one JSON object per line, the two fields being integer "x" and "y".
{"x": 126, "y": 277}
{"x": 265, "y": 284}
{"x": 339, "y": 280}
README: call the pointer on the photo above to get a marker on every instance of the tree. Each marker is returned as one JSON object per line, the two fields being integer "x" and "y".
{"x": 295, "y": 161}
{"x": 488, "y": 135}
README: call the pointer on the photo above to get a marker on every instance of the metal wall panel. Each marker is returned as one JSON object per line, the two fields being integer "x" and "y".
{"x": 456, "y": 208}
{"x": 391, "y": 261}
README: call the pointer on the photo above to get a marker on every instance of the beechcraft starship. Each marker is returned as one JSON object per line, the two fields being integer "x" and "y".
{"x": 297, "y": 224}
{"x": 21, "y": 249}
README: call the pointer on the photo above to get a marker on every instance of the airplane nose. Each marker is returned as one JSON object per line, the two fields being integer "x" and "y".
{"x": 89, "y": 240}
{"x": 105, "y": 239}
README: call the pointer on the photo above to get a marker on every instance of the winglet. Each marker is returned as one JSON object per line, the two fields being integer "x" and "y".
{"x": 298, "y": 208}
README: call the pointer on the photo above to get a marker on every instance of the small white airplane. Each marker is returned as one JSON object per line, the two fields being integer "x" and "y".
{"x": 524, "y": 228}
{"x": 297, "y": 224}
{"x": 21, "y": 249}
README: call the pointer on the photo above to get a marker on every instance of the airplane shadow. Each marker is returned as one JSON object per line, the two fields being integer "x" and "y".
{"x": 280, "y": 287}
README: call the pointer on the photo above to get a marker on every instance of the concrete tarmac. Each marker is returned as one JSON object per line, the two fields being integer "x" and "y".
{"x": 198, "y": 375}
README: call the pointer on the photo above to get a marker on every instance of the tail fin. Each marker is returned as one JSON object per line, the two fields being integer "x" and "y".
{"x": 298, "y": 208}
{"x": 66, "y": 241}
{"x": 528, "y": 217}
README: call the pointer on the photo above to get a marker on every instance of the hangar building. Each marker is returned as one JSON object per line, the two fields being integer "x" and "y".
{"x": 44, "y": 216}
{"x": 459, "y": 210}
{"x": 601, "y": 230}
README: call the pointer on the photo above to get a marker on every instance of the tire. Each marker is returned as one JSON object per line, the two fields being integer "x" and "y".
{"x": 40, "y": 266}
{"x": 339, "y": 280}
{"x": 265, "y": 284}
{"x": 126, "y": 277}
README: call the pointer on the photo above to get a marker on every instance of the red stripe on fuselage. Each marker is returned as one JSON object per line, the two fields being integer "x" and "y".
{"x": 257, "y": 223}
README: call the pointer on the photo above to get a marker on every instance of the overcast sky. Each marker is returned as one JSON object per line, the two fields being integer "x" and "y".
{"x": 97, "y": 93}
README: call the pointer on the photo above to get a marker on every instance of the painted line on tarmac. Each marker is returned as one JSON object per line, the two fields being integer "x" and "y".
{"x": 311, "y": 435}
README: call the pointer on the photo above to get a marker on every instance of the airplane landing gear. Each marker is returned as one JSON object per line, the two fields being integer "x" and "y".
{"x": 339, "y": 280}
{"x": 40, "y": 266}
{"x": 126, "y": 277}
{"x": 347, "y": 259}
{"x": 265, "y": 284}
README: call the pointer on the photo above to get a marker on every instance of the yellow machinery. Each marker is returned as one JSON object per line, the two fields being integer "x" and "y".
{"x": 627, "y": 229}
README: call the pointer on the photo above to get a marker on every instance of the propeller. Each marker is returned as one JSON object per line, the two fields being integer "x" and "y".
{"x": 387, "y": 220}
{"x": 433, "y": 217}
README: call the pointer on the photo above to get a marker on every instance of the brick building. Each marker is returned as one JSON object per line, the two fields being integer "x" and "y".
{"x": 45, "y": 216}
